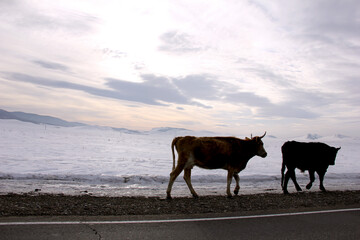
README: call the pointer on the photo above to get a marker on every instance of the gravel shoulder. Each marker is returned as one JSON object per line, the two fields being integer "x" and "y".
{"x": 85, "y": 205}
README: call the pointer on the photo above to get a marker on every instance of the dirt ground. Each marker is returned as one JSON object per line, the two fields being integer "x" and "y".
{"x": 85, "y": 205}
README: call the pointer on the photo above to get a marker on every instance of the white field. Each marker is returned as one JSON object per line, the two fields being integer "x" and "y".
{"x": 103, "y": 162}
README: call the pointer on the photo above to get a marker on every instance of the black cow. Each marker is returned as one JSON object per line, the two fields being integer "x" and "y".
{"x": 313, "y": 156}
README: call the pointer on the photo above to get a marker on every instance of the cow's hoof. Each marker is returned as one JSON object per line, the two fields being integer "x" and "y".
{"x": 323, "y": 189}
{"x": 196, "y": 196}
{"x": 168, "y": 198}
{"x": 229, "y": 196}
{"x": 236, "y": 192}
{"x": 308, "y": 186}
{"x": 299, "y": 189}
{"x": 286, "y": 192}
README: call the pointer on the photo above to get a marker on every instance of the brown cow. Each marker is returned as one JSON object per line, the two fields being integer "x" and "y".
{"x": 229, "y": 153}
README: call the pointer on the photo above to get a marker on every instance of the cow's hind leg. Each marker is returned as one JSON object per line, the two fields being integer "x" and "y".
{"x": 173, "y": 175}
{"x": 286, "y": 180}
{"x": 237, "y": 187}
{"x": 312, "y": 179}
{"x": 187, "y": 178}
{"x": 293, "y": 178}
{"x": 290, "y": 173}
{"x": 321, "y": 178}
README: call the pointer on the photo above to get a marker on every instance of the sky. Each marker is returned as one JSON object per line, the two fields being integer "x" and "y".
{"x": 228, "y": 66}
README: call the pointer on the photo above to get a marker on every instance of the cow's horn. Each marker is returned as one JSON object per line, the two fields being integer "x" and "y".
{"x": 263, "y": 135}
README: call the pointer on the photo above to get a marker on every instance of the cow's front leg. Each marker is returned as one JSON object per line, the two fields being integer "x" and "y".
{"x": 229, "y": 179}
{"x": 312, "y": 179}
{"x": 237, "y": 187}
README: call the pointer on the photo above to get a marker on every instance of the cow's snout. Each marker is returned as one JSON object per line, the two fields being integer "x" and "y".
{"x": 262, "y": 153}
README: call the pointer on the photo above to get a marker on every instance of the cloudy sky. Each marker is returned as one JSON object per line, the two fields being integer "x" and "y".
{"x": 229, "y": 66}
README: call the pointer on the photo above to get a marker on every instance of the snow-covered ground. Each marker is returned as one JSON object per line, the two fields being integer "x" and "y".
{"x": 101, "y": 161}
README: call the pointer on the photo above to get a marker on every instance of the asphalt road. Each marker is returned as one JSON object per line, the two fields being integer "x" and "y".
{"x": 328, "y": 224}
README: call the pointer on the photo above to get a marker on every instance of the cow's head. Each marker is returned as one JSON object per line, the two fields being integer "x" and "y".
{"x": 260, "y": 150}
{"x": 333, "y": 155}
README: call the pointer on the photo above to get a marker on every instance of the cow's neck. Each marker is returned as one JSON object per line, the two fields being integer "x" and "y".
{"x": 249, "y": 150}
{"x": 246, "y": 150}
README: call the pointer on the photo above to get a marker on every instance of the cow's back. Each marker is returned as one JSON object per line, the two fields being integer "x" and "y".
{"x": 207, "y": 152}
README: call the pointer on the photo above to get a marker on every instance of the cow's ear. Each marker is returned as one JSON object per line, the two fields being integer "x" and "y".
{"x": 246, "y": 138}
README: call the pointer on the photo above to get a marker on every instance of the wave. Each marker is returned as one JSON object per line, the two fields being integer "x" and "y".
{"x": 158, "y": 179}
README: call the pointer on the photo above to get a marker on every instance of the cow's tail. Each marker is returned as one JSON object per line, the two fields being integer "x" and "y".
{"x": 172, "y": 149}
{"x": 283, "y": 167}
{"x": 282, "y": 173}
{"x": 283, "y": 151}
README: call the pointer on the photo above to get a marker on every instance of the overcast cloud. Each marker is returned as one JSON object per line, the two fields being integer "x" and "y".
{"x": 288, "y": 67}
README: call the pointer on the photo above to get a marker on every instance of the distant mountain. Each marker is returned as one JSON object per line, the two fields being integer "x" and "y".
{"x": 41, "y": 119}
{"x": 37, "y": 119}
{"x": 271, "y": 136}
{"x": 125, "y": 130}
{"x": 168, "y": 129}
{"x": 341, "y": 136}
{"x": 317, "y": 137}
{"x": 6, "y": 115}
{"x": 313, "y": 136}
{"x": 180, "y": 131}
